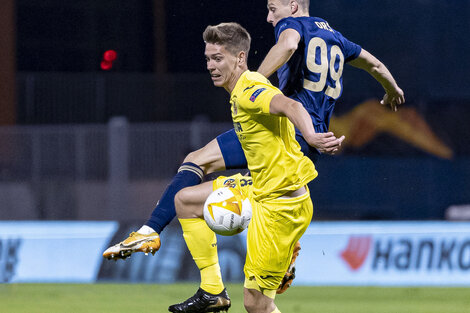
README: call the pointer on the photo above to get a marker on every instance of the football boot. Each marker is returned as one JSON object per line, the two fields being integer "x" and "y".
{"x": 134, "y": 243}
{"x": 203, "y": 301}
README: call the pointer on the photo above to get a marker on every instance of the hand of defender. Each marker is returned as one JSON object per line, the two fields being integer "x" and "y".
{"x": 393, "y": 98}
{"x": 327, "y": 142}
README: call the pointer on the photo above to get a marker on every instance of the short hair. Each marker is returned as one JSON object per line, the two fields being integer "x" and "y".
{"x": 232, "y": 36}
{"x": 303, "y": 4}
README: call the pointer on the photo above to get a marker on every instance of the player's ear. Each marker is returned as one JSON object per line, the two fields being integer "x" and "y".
{"x": 294, "y": 6}
{"x": 241, "y": 57}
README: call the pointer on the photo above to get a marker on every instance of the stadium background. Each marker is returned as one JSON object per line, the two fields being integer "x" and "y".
{"x": 79, "y": 143}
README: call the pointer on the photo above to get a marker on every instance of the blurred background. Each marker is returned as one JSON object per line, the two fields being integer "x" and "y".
{"x": 101, "y": 100}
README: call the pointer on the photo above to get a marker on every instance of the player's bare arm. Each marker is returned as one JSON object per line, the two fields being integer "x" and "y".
{"x": 394, "y": 96}
{"x": 280, "y": 53}
{"x": 296, "y": 113}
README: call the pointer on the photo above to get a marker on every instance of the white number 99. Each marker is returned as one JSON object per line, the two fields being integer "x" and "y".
{"x": 323, "y": 67}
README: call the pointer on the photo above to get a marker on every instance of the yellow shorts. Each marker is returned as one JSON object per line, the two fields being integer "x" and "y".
{"x": 275, "y": 227}
{"x": 250, "y": 283}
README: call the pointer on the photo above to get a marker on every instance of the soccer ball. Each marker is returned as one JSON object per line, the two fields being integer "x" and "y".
{"x": 227, "y": 212}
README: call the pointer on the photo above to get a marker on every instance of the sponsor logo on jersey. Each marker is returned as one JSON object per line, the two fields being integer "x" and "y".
{"x": 248, "y": 88}
{"x": 234, "y": 103}
{"x": 239, "y": 131}
{"x": 237, "y": 126}
{"x": 256, "y": 94}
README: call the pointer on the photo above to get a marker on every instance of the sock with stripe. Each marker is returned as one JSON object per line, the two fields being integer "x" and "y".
{"x": 189, "y": 174}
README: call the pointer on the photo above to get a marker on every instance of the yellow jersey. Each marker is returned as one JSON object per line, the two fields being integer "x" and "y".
{"x": 273, "y": 154}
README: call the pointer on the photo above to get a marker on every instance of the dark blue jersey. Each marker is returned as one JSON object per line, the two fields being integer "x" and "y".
{"x": 313, "y": 75}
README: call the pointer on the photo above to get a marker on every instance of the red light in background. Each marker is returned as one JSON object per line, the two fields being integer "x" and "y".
{"x": 106, "y": 65}
{"x": 109, "y": 56}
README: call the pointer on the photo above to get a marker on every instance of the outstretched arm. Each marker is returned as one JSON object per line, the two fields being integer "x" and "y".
{"x": 280, "y": 53}
{"x": 296, "y": 113}
{"x": 394, "y": 96}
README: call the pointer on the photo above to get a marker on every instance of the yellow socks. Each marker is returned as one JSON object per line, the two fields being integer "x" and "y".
{"x": 211, "y": 279}
{"x": 202, "y": 243}
{"x": 276, "y": 311}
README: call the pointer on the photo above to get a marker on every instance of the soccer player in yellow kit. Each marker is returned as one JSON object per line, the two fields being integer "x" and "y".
{"x": 264, "y": 121}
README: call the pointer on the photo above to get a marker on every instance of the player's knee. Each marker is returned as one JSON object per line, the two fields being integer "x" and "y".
{"x": 187, "y": 203}
{"x": 250, "y": 305}
{"x": 193, "y": 156}
{"x": 256, "y": 302}
{"x": 250, "y": 301}
{"x": 182, "y": 198}
{"x": 253, "y": 306}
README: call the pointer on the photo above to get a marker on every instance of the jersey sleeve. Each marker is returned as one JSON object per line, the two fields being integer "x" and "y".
{"x": 286, "y": 23}
{"x": 257, "y": 100}
{"x": 350, "y": 50}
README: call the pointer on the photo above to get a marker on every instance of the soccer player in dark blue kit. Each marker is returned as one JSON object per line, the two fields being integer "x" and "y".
{"x": 308, "y": 56}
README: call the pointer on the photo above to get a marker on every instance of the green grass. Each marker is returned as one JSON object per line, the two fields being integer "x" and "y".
{"x": 142, "y": 298}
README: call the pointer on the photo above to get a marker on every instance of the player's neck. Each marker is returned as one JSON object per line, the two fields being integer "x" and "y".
{"x": 234, "y": 79}
{"x": 300, "y": 13}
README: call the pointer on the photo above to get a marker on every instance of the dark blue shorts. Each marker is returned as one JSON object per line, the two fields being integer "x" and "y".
{"x": 234, "y": 157}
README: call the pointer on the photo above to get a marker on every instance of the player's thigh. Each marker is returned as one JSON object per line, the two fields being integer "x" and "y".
{"x": 189, "y": 201}
{"x": 224, "y": 152}
{"x": 274, "y": 229}
{"x": 209, "y": 157}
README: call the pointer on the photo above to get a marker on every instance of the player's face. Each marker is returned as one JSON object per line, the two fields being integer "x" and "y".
{"x": 221, "y": 65}
{"x": 277, "y": 10}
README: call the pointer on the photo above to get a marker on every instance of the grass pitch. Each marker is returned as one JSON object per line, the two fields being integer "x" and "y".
{"x": 142, "y": 298}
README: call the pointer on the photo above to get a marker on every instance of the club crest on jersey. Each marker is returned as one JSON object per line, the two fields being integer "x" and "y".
{"x": 256, "y": 94}
{"x": 230, "y": 182}
{"x": 234, "y": 105}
